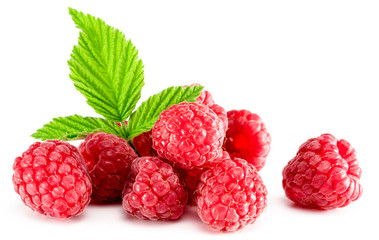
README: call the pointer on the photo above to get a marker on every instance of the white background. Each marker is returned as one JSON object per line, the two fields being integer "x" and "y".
{"x": 306, "y": 67}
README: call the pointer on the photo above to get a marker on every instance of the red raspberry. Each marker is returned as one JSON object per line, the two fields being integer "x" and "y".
{"x": 143, "y": 144}
{"x": 191, "y": 178}
{"x": 108, "y": 158}
{"x": 52, "y": 179}
{"x": 153, "y": 191}
{"x": 231, "y": 195}
{"x": 247, "y": 137}
{"x": 188, "y": 134}
{"x": 324, "y": 174}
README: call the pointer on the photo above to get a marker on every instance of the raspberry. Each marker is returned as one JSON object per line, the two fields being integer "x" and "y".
{"x": 143, "y": 144}
{"x": 324, "y": 174}
{"x": 231, "y": 195}
{"x": 108, "y": 158}
{"x": 247, "y": 137}
{"x": 189, "y": 135}
{"x": 191, "y": 178}
{"x": 153, "y": 191}
{"x": 52, "y": 179}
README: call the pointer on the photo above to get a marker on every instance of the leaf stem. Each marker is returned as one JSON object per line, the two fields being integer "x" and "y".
{"x": 123, "y": 126}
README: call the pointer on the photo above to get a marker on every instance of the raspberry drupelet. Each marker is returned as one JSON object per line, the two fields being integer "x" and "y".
{"x": 324, "y": 174}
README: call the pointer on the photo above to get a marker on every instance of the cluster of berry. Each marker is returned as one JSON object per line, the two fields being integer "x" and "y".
{"x": 197, "y": 154}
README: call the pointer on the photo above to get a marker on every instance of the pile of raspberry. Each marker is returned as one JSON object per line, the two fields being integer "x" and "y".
{"x": 196, "y": 155}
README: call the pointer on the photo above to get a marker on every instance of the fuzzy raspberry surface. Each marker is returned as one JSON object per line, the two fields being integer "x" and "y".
{"x": 143, "y": 144}
{"x": 52, "y": 179}
{"x": 189, "y": 135}
{"x": 247, "y": 137}
{"x": 108, "y": 158}
{"x": 324, "y": 174}
{"x": 231, "y": 195}
{"x": 153, "y": 191}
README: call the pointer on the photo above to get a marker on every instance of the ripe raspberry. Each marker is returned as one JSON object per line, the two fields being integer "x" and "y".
{"x": 52, "y": 179}
{"x": 143, "y": 144}
{"x": 247, "y": 137}
{"x": 188, "y": 134}
{"x": 153, "y": 191}
{"x": 231, "y": 195}
{"x": 324, "y": 174}
{"x": 108, "y": 158}
{"x": 191, "y": 178}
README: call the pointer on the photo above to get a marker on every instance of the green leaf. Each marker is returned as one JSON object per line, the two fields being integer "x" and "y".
{"x": 75, "y": 127}
{"x": 105, "y": 68}
{"x": 144, "y": 118}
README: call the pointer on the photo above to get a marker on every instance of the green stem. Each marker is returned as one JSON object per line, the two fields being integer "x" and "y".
{"x": 130, "y": 141}
{"x": 123, "y": 126}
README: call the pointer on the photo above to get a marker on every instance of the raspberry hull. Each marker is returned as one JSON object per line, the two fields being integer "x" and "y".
{"x": 189, "y": 135}
{"x": 324, "y": 174}
{"x": 108, "y": 158}
{"x": 153, "y": 191}
{"x": 231, "y": 195}
{"x": 51, "y": 178}
{"x": 247, "y": 137}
